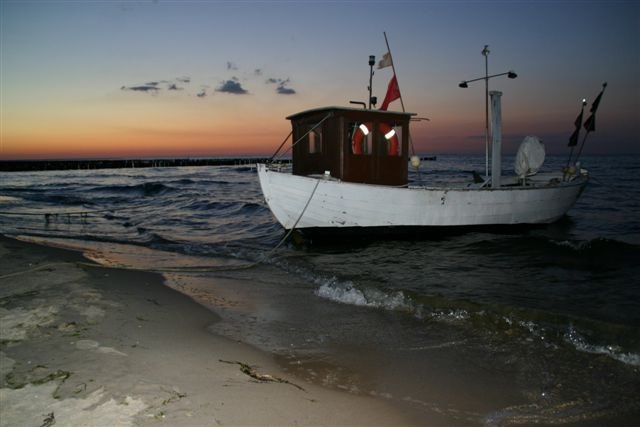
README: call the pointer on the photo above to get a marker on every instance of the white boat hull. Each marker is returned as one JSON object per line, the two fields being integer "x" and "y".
{"x": 307, "y": 203}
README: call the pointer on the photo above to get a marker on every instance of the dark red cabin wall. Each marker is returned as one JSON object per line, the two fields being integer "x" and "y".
{"x": 337, "y": 156}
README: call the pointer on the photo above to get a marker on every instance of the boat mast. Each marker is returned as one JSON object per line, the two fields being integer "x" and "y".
{"x": 485, "y": 53}
{"x": 464, "y": 84}
{"x": 372, "y": 61}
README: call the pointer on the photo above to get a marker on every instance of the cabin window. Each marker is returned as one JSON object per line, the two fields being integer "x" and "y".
{"x": 391, "y": 137}
{"x": 361, "y": 137}
{"x": 314, "y": 140}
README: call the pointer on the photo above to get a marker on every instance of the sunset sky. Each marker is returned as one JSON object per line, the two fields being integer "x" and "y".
{"x": 113, "y": 79}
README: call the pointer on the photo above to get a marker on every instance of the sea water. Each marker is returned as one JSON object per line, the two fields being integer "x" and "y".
{"x": 527, "y": 326}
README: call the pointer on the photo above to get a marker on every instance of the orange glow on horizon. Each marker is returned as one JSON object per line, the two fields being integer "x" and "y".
{"x": 163, "y": 139}
{"x": 127, "y": 146}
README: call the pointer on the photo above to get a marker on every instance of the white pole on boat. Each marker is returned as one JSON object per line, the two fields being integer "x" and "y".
{"x": 496, "y": 148}
{"x": 485, "y": 53}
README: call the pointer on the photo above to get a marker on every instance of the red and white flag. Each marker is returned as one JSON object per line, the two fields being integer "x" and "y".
{"x": 393, "y": 93}
{"x": 385, "y": 61}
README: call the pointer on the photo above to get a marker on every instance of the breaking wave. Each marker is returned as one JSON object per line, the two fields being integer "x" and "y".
{"x": 573, "y": 337}
{"x": 347, "y": 293}
{"x": 475, "y": 319}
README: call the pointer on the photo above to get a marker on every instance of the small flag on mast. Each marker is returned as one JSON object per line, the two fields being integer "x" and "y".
{"x": 573, "y": 141}
{"x": 393, "y": 93}
{"x": 590, "y": 123}
{"x": 385, "y": 61}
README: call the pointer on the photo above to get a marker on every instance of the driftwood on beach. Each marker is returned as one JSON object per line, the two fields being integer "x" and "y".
{"x": 250, "y": 371}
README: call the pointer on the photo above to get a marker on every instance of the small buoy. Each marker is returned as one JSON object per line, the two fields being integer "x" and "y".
{"x": 415, "y": 161}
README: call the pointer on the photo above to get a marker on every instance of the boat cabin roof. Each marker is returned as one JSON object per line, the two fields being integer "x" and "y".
{"x": 346, "y": 110}
{"x": 352, "y": 144}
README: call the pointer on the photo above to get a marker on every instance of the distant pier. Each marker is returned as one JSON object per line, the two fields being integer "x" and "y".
{"x": 40, "y": 165}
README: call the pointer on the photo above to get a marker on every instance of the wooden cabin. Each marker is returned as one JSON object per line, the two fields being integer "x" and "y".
{"x": 354, "y": 145}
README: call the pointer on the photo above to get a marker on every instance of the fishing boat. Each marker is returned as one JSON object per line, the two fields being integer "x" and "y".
{"x": 350, "y": 169}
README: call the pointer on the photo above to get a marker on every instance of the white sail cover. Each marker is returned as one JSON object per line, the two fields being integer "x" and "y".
{"x": 530, "y": 156}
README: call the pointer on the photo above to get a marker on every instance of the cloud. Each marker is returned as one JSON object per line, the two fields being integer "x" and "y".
{"x": 257, "y": 72}
{"x": 282, "y": 84}
{"x": 155, "y": 86}
{"x": 232, "y": 86}
{"x": 285, "y": 90}
{"x": 152, "y": 88}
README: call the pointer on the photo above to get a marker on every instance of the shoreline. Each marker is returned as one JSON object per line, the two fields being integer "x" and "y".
{"x": 94, "y": 164}
{"x": 83, "y": 344}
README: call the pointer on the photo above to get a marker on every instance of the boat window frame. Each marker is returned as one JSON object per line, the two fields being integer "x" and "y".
{"x": 355, "y": 127}
{"x": 314, "y": 141}
{"x": 311, "y": 136}
{"x": 384, "y": 143}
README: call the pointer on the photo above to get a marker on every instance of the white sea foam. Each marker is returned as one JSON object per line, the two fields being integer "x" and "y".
{"x": 450, "y": 316}
{"x": 574, "y": 338}
{"x": 568, "y": 244}
{"x": 9, "y": 199}
{"x": 347, "y": 293}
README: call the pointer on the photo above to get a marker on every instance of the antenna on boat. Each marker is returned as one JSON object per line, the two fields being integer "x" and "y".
{"x": 573, "y": 140}
{"x": 372, "y": 62}
{"x": 590, "y": 123}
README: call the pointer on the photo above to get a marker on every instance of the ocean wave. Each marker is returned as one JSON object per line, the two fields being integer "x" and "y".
{"x": 59, "y": 196}
{"x": 577, "y": 340}
{"x": 598, "y": 246}
{"x": 68, "y": 199}
{"x": 347, "y": 293}
{"x": 490, "y": 322}
{"x": 599, "y": 253}
{"x": 229, "y": 208}
{"x": 207, "y": 205}
{"x": 145, "y": 189}
{"x": 244, "y": 169}
{"x": 593, "y": 254}
{"x": 182, "y": 181}
{"x": 5, "y": 199}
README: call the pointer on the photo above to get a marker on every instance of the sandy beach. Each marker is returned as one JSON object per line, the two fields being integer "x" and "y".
{"x": 84, "y": 345}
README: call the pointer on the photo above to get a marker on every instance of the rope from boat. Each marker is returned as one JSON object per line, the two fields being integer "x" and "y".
{"x": 264, "y": 258}
{"x": 280, "y": 147}
{"x": 302, "y": 137}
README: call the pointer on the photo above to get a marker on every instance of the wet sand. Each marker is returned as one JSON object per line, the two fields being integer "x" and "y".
{"x": 85, "y": 345}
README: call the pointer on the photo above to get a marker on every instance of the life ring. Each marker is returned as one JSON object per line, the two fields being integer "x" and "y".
{"x": 358, "y": 138}
{"x": 390, "y": 135}
{"x": 357, "y": 141}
